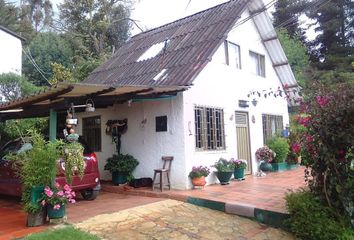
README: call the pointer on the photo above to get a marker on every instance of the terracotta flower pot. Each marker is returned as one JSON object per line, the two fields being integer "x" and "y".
{"x": 199, "y": 182}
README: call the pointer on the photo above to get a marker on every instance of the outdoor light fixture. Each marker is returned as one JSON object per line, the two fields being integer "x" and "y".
{"x": 89, "y": 106}
{"x": 254, "y": 102}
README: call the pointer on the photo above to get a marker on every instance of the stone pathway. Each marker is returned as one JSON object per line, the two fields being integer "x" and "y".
{"x": 172, "y": 219}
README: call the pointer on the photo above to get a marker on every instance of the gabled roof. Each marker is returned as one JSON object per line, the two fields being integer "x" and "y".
{"x": 190, "y": 44}
{"x": 12, "y": 33}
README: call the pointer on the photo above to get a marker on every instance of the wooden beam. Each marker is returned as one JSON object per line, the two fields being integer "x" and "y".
{"x": 270, "y": 39}
{"x": 281, "y": 64}
{"x": 104, "y": 91}
{"x": 23, "y": 102}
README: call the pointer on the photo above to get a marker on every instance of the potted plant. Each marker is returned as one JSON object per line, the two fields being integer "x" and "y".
{"x": 56, "y": 198}
{"x": 73, "y": 156}
{"x": 294, "y": 157}
{"x": 121, "y": 166}
{"x": 280, "y": 147}
{"x": 36, "y": 168}
{"x": 265, "y": 156}
{"x": 239, "y": 168}
{"x": 198, "y": 175}
{"x": 224, "y": 170}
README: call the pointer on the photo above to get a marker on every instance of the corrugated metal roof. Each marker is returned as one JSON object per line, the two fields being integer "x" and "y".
{"x": 272, "y": 44}
{"x": 192, "y": 41}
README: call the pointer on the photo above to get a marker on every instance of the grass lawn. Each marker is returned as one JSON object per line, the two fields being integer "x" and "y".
{"x": 66, "y": 233}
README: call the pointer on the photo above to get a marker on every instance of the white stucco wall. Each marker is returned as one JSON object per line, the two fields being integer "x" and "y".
{"x": 10, "y": 53}
{"x": 218, "y": 85}
{"x": 142, "y": 141}
{"x": 222, "y": 86}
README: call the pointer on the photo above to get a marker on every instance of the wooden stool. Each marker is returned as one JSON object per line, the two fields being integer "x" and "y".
{"x": 167, "y": 160}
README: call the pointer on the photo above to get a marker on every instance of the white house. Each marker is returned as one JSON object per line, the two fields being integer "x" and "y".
{"x": 184, "y": 89}
{"x": 10, "y": 51}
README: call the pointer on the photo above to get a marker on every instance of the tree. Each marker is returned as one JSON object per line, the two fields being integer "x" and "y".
{"x": 286, "y": 15}
{"x": 98, "y": 26}
{"x": 12, "y": 18}
{"x": 37, "y": 12}
{"x": 333, "y": 48}
{"x": 296, "y": 53}
{"x": 13, "y": 86}
{"x": 45, "y": 49}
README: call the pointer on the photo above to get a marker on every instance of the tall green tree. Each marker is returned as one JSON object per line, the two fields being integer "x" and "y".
{"x": 98, "y": 26}
{"x": 333, "y": 48}
{"x": 46, "y": 48}
{"x": 37, "y": 12}
{"x": 286, "y": 15}
{"x": 296, "y": 53}
{"x": 11, "y": 17}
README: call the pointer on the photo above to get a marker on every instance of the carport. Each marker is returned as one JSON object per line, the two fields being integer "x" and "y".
{"x": 61, "y": 97}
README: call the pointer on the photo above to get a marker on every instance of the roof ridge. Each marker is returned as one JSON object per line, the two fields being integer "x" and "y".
{"x": 181, "y": 19}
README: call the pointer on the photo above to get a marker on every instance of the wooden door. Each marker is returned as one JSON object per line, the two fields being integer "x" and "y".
{"x": 243, "y": 139}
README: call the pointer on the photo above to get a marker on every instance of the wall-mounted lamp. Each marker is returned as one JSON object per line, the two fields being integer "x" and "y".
{"x": 90, "y": 106}
{"x": 254, "y": 102}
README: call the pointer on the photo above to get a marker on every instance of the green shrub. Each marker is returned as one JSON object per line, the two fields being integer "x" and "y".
{"x": 281, "y": 148}
{"x": 311, "y": 219}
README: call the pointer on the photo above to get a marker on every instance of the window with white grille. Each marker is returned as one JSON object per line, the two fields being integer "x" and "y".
{"x": 272, "y": 125}
{"x": 209, "y": 128}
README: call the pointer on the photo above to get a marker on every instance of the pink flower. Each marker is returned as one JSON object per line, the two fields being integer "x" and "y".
{"x": 60, "y": 193}
{"x": 56, "y": 185}
{"x": 309, "y": 138}
{"x": 43, "y": 202}
{"x": 48, "y": 192}
{"x": 304, "y": 121}
{"x": 56, "y": 207}
{"x": 71, "y": 200}
{"x": 67, "y": 187}
{"x": 295, "y": 147}
{"x": 322, "y": 101}
{"x": 73, "y": 194}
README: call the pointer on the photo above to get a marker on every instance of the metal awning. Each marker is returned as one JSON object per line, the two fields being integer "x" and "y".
{"x": 61, "y": 96}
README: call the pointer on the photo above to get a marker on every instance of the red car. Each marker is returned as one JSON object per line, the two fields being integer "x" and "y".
{"x": 89, "y": 185}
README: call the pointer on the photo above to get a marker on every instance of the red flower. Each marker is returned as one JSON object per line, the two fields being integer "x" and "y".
{"x": 322, "y": 101}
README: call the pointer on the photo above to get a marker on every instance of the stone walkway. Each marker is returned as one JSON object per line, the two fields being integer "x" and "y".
{"x": 172, "y": 219}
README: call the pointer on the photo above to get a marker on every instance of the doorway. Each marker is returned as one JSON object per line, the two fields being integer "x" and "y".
{"x": 243, "y": 139}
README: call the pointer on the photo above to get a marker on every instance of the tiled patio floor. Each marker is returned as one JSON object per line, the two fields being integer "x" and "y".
{"x": 262, "y": 192}
{"x": 13, "y": 218}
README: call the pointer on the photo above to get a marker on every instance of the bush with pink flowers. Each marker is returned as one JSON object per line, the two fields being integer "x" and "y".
{"x": 58, "y": 196}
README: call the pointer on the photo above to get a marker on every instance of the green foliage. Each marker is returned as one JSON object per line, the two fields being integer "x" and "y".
{"x": 67, "y": 233}
{"x": 296, "y": 53}
{"x": 46, "y": 48}
{"x": 198, "y": 172}
{"x": 31, "y": 207}
{"x": 100, "y": 26}
{"x": 281, "y": 148}
{"x": 73, "y": 153}
{"x": 60, "y": 74}
{"x": 223, "y": 165}
{"x": 311, "y": 219}
{"x": 13, "y": 86}
{"x": 121, "y": 163}
{"x": 37, "y": 166}
{"x": 327, "y": 115}
{"x": 12, "y": 129}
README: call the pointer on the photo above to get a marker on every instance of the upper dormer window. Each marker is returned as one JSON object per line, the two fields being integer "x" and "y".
{"x": 232, "y": 54}
{"x": 257, "y": 64}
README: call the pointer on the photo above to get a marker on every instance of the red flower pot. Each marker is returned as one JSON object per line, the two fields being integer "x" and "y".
{"x": 199, "y": 182}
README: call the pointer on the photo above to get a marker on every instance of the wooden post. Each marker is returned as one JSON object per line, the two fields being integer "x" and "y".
{"x": 52, "y": 125}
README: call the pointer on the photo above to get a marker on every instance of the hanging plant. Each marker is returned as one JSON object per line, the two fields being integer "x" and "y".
{"x": 74, "y": 160}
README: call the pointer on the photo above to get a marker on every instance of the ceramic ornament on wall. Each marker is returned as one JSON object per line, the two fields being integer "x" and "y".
{"x": 116, "y": 128}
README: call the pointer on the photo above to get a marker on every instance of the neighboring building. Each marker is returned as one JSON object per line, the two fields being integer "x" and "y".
{"x": 10, "y": 51}
{"x": 183, "y": 88}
